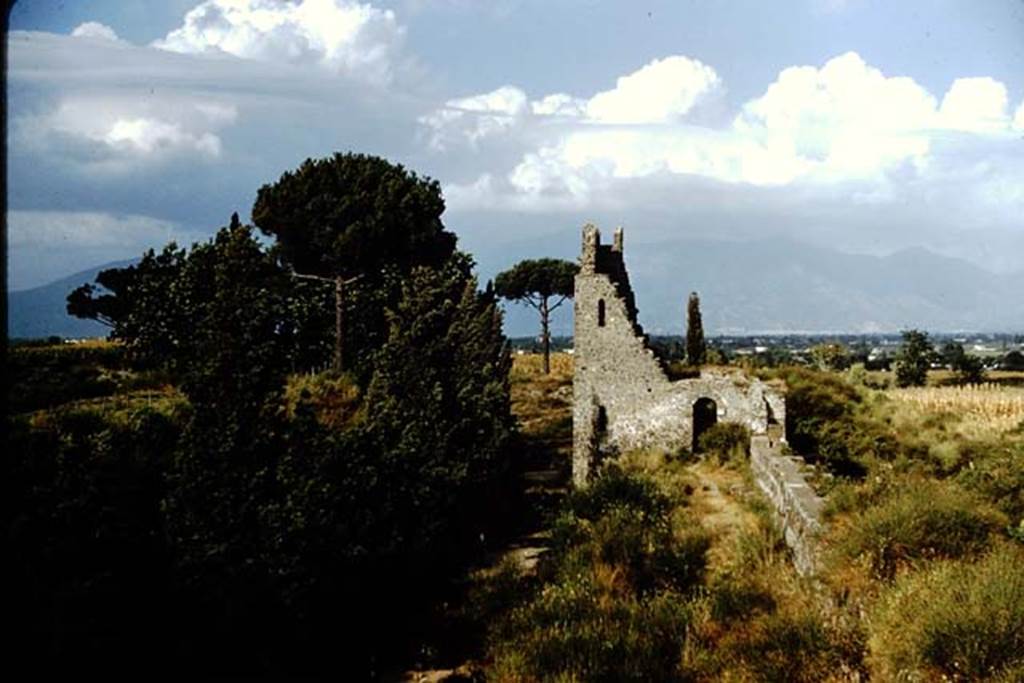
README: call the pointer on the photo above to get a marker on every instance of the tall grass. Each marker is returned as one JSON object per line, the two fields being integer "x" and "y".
{"x": 927, "y": 520}
{"x": 957, "y": 621}
{"x": 976, "y": 410}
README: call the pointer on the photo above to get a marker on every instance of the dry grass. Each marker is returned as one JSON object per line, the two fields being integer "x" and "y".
{"x": 543, "y": 403}
{"x": 974, "y": 411}
{"x": 527, "y": 366}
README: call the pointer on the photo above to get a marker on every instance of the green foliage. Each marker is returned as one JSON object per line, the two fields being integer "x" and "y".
{"x": 351, "y": 214}
{"x": 914, "y": 359}
{"x": 108, "y": 303}
{"x": 726, "y": 441}
{"x": 832, "y": 356}
{"x": 619, "y": 599}
{"x": 272, "y": 525}
{"x": 354, "y": 217}
{"x": 438, "y": 404}
{"x": 536, "y": 279}
{"x": 927, "y": 520}
{"x": 969, "y": 369}
{"x": 154, "y": 318}
{"x": 696, "y": 348}
{"x": 795, "y": 645}
{"x": 571, "y": 631}
{"x": 960, "y": 621}
{"x": 822, "y": 421}
{"x": 47, "y": 376}
{"x": 996, "y": 472}
{"x": 80, "y": 492}
{"x": 1014, "y": 360}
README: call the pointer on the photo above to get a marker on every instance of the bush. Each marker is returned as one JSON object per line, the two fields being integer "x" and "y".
{"x": 926, "y": 521}
{"x": 813, "y": 400}
{"x": 997, "y": 474}
{"x": 726, "y": 441}
{"x": 791, "y": 645}
{"x": 47, "y": 376}
{"x": 572, "y": 631}
{"x": 959, "y": 621}
{"x": 619, "y": 596}
{"x": 624, "y": 522}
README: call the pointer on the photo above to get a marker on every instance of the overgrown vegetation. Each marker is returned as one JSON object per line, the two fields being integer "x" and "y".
{"x": 243, "y": 521}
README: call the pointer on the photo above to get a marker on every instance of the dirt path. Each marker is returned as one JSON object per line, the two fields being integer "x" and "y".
{"x": 718, "y": 500}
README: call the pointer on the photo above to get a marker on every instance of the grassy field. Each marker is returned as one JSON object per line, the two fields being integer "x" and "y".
{"x": 674, "y": 570}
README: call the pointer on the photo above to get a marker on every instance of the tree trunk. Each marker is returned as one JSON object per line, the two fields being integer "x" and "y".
{"x": 545, "y": 335}
{"x": 339, "y": 315}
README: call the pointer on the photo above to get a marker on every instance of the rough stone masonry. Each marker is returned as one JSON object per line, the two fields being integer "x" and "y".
{"x": 623, "y": 399}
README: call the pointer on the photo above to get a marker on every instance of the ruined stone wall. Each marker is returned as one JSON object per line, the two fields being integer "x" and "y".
{"x": 622, "y": 396}
{"x": 797, "y": 506}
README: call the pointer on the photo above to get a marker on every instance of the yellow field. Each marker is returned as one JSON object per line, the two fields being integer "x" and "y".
{"x": 526, "y": 365}
{"x": 977, "y": 410}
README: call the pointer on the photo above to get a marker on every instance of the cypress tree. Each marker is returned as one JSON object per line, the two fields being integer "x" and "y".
{"x": 696, "y": 350}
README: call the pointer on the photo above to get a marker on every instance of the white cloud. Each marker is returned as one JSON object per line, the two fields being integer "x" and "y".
{"x": 660, "y": 92}
{"x": 94, "y": 29}
{"x": 1018, "y": 118}
{"x": 559, "y": 104}
{"x": 116, "y": 133}
{"x": 975, "y": 104}
{"x": 844, "y": 122}
{"x": 347, "y": 37}
{"x": 476, "y": 117}
{"x": 153, "y": 135}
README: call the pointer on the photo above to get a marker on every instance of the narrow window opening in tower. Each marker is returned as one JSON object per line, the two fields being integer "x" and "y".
{"x": 600, "y": 312}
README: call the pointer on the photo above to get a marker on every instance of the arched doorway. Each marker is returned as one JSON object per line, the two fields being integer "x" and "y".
{"x": 705, "y": 414}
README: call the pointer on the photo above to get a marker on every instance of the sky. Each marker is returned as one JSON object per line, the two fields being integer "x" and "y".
{"x": 866, "y": 127}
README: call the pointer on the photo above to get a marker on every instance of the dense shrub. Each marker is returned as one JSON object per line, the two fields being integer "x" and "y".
{"x": 996, "y": 472}
{"x": 86, "y": 561}
{"x": 725, "y": 441}
{"x": 47, "y": 376}
{"x": 794, "y": 645}
{"x": 814, "y": 400}
{"x": 619, "y": 596}
{"x": 961, "y": 621}
{"x": 573, "y": 631}
{"x": 928, "y": 520}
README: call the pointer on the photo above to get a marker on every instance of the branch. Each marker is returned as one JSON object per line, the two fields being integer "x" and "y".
{"x": 558, "y": 303}
{"x": 307, "y": 276}
{"x": 529, "y": 300}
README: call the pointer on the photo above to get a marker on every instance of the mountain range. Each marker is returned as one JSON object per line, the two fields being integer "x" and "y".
{"x": 762, "y": 286}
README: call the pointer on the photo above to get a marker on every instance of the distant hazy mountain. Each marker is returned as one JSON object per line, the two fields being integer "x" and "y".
{"x": 784, "y": 286}
{"x": 41, "y": 312}
{"x": 781, "y": 286}
{"x": 759, "y": 286}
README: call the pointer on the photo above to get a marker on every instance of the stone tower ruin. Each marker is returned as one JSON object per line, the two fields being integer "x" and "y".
{"x": 622, "y": 396}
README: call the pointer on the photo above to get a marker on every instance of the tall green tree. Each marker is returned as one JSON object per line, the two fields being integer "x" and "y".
{"x": 696, "y": 348}
{"x": 969, "y": 369}
{"x": 351, "y": 216}
{"x": 534, "y": 282}
{"x": 136, "y": 303}
{"x": 914, "y": 359}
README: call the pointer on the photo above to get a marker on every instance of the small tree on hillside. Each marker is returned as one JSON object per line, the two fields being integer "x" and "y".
{"x": 696, "y": 348}
{"x": 914, "y": 359}
{"x": 353, "y": 215}
{"x": 969, "y": 369}
{"x": 535, "y": 282}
